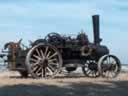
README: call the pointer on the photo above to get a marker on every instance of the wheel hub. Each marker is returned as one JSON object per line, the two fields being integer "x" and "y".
{"x": 44, "y": 63}
{"x": 111, "y": 67}
{"x": 92, "y": 66}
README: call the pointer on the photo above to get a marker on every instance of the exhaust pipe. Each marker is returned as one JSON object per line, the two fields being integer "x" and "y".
{"x": 96, "y": 31}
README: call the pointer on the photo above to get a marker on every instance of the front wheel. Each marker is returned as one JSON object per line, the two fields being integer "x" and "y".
{"x": 43, "y": 60}
{"x": 109, "y": 66}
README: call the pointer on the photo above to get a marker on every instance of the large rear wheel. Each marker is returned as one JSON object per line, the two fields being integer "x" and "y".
{"x": 43, "y": 60}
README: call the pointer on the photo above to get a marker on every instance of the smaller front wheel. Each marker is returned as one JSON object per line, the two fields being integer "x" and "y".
{"x": 109, "y": 66}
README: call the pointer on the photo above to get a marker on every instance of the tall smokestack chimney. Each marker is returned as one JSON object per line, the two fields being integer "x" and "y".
{"x": 96, "y": 30}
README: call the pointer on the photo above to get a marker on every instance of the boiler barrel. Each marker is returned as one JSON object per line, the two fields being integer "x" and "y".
{"x": 101, "y": 50}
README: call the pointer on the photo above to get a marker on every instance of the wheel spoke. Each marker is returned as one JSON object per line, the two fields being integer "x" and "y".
{"x": 44, "y": 72}
{"x": 53, "y": 55}
{"x": 50, "y": 71}
{"x": 53, "y": 69}
{"x": 33, "y": 60}
{"x": 38, "y": 52}
{"x": 55, "y": 64}
{"x": 112, "y": 74}
{"x": 48, "y": 54}
{"x": 38, "y": 70}
{"x": 113, "y": 62}
{"x": 107, "y": 73}
{"x": 37, "y": 57}
{"x": 42, "y": 54}
{"x": 39, "y": 74}
{"x": 52, "y": 60}
{"x": 34, "y": 68}
{"x": 88, "y": 72}
{"x": 116, "y": 69}
{"x": 46, "y": 50}
{"x": 34, "y": 64}
{"x": 108, "y": 60}
{"x": 94, "y": 73}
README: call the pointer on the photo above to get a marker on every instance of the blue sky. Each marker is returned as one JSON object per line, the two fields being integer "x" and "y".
{"x": 32, "y": 19}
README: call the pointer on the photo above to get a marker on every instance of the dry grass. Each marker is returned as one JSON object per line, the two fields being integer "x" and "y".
{"x": 12, "y": 85}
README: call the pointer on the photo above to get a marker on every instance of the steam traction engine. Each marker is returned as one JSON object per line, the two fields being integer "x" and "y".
{"x": 46, "y": 57}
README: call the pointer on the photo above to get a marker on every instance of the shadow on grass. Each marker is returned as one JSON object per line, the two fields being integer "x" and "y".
{"x": 115, "y": 88}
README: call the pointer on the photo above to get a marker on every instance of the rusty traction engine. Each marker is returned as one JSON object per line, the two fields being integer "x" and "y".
{"x": 47, "y": 57}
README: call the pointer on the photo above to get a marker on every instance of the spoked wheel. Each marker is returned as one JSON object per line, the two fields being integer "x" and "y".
{"x": 43, "y": 61}
{"x": 90, "y": 69}
{"x": 109, "y": 66}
